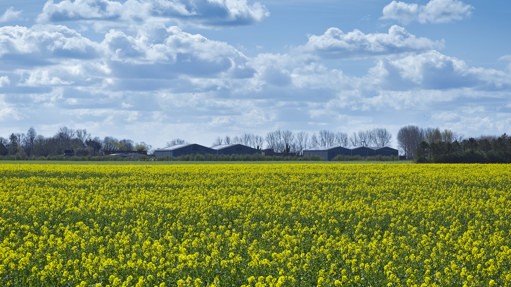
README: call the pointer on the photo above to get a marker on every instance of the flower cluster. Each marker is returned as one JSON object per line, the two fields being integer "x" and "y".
{"x": 255, "y": 225}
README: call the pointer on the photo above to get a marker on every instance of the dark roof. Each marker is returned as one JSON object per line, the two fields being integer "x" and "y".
{"x": 326, "y": 148}
{"x": 175, "y": 147}
{"x": 224, "y": 146}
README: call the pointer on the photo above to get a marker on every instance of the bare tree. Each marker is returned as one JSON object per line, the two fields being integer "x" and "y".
{"x": 227, "y": 140}
{"x": 110, "y": 145}
{"x": 218, "y": 141}
{"x": 279, "y": 141}
{"x": 236, "y": 140}
{"x": 450, "y": 136}
{"x": 301, "y": 142}
{"x": 409, "y": 139}
{"x": 432, "y": 135}
{"x": 326, "y": 138}
{"x": 82, "y": 135}
{"x": 65, "y": 133}
{"x": 435, "y": 135}
{"x": 355, "y": 140}
{"x": 287, "y": 139}
{"x": 250, "y": 140}
{"x": 258, "y": 142}
{"x": 367, "y": 138}
{"x": 272, "y": 139}
{"x": 382, "y": 137}
{"x": 314, "y": 141}
{"x": 447, "y": 136}
{"x": 341, "y": 139}
{"x": 247, "y": 139}
{"x": 63, "y": 139}
{"x": 175, "y": 142}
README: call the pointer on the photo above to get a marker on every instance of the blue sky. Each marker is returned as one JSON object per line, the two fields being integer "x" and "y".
{"x": 157, "y": 70}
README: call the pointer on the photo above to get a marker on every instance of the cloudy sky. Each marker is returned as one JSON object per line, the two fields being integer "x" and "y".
{"x": 197, "y": 69}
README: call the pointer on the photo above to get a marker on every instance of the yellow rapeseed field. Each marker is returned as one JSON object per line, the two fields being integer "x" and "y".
{"x": 255, "y": 225}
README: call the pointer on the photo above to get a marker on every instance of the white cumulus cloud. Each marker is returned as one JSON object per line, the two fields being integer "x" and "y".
{"x": 401, "y": 11}
{"x": 4, "y": 81}
{"x": 334, "y": 43}
{"x": 170, "y": 54}
{"x": 211, "y": 12}
{"x": 69, "y": 10}
{"x": 433, "y": 70}
{"x": 42, "y": 78}
{"x": 435, "y": 11}
{"x": 199, "y": 12}
{"x": 10, "y": 15}
{"x": 41, "y": 43}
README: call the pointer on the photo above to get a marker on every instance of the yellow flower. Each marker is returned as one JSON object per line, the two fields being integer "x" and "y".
{"x": 251, "y": 279}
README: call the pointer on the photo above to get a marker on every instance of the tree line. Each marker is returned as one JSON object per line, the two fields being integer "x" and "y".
{"x": 79, "y": 142}
{"x": 432, "y": 145}
{"x": 415, "y": 143}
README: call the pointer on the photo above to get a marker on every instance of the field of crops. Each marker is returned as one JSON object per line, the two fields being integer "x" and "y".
{"x": 255, "y": 225}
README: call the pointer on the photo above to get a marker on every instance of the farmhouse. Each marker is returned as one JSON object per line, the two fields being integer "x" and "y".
{"x": 185, "y": 149}
{"x": 238, "y": 149}
{"x": 327, "y": 153}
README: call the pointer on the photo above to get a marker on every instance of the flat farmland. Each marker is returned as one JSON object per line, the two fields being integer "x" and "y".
{"x": 255, "y": 225}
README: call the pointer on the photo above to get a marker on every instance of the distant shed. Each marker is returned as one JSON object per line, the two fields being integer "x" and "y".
{"x": 327, "y": 153}
{"x": 185, "y": 149}
{"x": 235, "y": 149}
{"x": 374, "y": 151}
{"x": 387, "y": 151}
{"x": 364, "y": 151}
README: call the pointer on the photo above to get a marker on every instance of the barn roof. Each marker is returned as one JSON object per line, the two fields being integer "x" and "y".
{"x": 175, "y": 147}
{"x": 325, "y": 148}
{"x": 223, "y": 146}
{"x": 368, "y": 147}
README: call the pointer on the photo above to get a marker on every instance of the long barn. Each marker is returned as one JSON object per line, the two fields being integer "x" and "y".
{"x": 185, "y": 149}
{"x": 329, "y": 154}
{"x": 238, "y": 149}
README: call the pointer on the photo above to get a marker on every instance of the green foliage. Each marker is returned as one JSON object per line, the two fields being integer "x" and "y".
{"x": 483, "y": 150}
{"x": 3, "y": 149}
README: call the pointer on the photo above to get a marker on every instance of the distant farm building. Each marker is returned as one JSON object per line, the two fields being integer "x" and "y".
{"x": 388, "y": 151}
{"x": 327, "y": 153}
{"x": 185, "y": 149}
{"x": 330, "y": 153}
{"x": 237, "y": 149}
{"x": 364, "y": 151}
